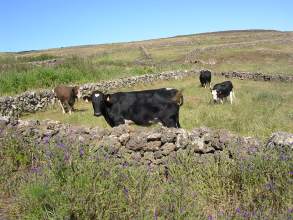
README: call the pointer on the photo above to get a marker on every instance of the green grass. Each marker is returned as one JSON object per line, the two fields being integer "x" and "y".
{"x": 46, "y": 184}
{"x": 260, "y": 108}
{"x": 74, "y": 70}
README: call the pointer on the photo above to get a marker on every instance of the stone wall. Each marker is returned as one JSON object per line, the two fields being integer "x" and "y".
{"x": 279, "y": 77}
{"x": 152, "y": 146}
{"x": 33, "y": 101}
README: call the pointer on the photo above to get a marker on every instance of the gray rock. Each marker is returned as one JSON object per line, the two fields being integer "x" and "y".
{"x": 154, "y": 137}
{"x": 158, "y": 154}
{"x": 136, "y": 143}
{"x": 124, "y": 138}
{"x": 182, "y": 140}
{"x": 167, "y": 148}
{"x": 153, "y": 146}
{"x": 168, "y": 136}
{"x": 120, "y": 130}
{"x": 280, "y": 140}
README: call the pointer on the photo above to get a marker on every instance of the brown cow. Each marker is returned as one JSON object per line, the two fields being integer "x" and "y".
{"x": 66, "y": 96}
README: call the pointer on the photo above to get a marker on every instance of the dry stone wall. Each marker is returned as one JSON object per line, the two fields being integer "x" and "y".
{"x": 32, "y": 101}
{"x": 151, "y": 146}
{"x": 279, "y": 77}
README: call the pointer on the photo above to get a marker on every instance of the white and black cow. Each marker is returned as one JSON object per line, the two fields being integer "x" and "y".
{"x": 205, "y": 78}
{"x": 66, "y": 96}
{"x": 223, "y": 90}
{"x": 140, "y": 107}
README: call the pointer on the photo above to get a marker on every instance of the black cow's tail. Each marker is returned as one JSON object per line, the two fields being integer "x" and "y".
{"x": 179, "y": 97}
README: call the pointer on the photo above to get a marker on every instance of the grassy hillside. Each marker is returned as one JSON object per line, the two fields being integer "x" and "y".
{"x": 260, "y": 108}
{"x": 257, "y": 50}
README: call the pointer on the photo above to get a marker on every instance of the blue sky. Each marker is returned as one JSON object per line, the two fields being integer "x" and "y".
{"x": 41, "y": 24}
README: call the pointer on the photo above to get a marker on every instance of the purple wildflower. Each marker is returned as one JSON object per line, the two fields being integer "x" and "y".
{"x": 245, "y": 214}
{"x": 290, "y": 210}
{"x": 35, "y": 169}
{"x": 210, "y": 217}
{"x": 291, "y": 173}
{"x": 125, "y": 164}
{"x": 81, "y": 152}
{"x": 238, "y": 210}
{"x": 46, "y": 139}
{"x": 61, "y": 145}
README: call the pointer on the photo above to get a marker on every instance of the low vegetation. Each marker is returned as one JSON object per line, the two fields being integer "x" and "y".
{"x": 260, "y": 108}
{"x": 63, "y": 181}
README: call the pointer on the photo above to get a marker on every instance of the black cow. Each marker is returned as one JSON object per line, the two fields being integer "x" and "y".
{"x": 223, "y": 90}
{"x": 205, "y": 78}
{"x": 141, "y": 107}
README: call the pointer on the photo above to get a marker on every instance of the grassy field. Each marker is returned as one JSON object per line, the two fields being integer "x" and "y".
{"x": 263, "y": 51}
{"x": 260, "y": 108}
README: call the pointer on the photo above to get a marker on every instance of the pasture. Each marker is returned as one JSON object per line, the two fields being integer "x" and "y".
{"x": 260, "y": 108}
{"x": 39, "y": 182}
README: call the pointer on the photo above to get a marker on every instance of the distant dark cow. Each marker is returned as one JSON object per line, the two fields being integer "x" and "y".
{"x": 140, "y": 107}
{"x": 223, "y": 90}
{"x": 205, "y": 78}
{"x": 66, "y": 96}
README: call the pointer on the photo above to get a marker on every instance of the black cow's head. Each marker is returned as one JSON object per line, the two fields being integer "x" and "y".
{"x": 99, "y": 101}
